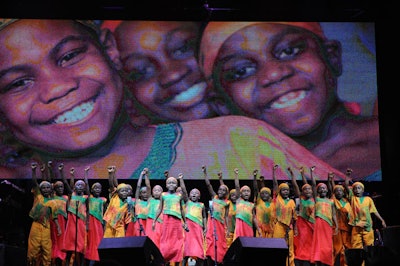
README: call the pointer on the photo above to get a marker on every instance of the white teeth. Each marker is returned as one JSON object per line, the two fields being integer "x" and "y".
{"x": 289, "y": 99}
{"x": 191, "y": 95}
{"x": 77, "y": 113}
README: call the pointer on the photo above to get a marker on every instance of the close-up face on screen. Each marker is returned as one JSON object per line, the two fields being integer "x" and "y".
{"x": 179, "y": 95}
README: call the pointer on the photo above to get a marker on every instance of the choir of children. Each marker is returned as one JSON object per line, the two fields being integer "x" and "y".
{"x": 318, "y": 222}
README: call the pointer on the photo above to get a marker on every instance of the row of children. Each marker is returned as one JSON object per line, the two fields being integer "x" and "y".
{"x": 317, "y": 226}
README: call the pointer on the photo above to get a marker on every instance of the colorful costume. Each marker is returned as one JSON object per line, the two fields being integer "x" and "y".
{"x": 244, "y": 219}
{"x": 39, "y": 241}
{"x": 322, "y": 245}
{"x": 216, "y": 222}
{"x": 60, "y": 212}
{"x": 153, "y": 235}
{"x": 172, "y": 235}
{"x": 247, "y": 142}
{"x": 284, "y": 214}
{"x": 96, "y": 231}
{"x": 342, "y": 240}
{"x": 116, "y": 217}
{"x": 194, "y": 239}
{"x": 231, "y": 223}
{"x": 305, "y": 229}
{"x": 265, "y": 216}
{"x": 361, "y": 221}
{"x": 75, "y": 231}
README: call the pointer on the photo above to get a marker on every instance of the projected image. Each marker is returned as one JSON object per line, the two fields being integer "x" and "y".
{"x": 169, "y": 95}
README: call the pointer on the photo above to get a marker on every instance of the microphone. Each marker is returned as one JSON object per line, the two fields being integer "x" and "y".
{"x": 210, "y": 206}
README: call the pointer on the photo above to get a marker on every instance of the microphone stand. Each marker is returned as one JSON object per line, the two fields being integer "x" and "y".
{"x": 141, "y": 229}
{"x": 76, "y": 233}
{"x": 214, "y": 232}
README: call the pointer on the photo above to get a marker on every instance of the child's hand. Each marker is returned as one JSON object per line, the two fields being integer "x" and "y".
{"x": 290, "y": 171}
{"x": 331, "y": 176}
{"x": 72, "y": 170}
{"x": 33, "y": 166}
{"x": 220, "y": 175}
{"x": 43, "y": 167}
{"x": 312, "y": 168}
{"x": 166, "y": 173}
{"x": 60, "y": 166}
{"x": 255, "y": 172}
{"x": 236, "y": 171}
{"x": 180, "y": 176}
{"x": 276, "y": 166}
{"x": 87, "y": 168}
{"x": 203, "y": 168}
{"x": 301, "y": 169}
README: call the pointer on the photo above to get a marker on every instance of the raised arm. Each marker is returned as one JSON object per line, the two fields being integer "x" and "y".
{"x": 208, "y": 183}
{"x": 313, "y": 182}
{"x": 147, "y": 183}
{"x": 34, "y": 176}
{"x": 50, "y": 171}
{"x": 294, "y": 183}
{"x": 347, "y": 181}
{"x": 221, "y": 181}
{"x": 303, "y": 177}
{"x": 68, "y": 188}
{"x": 72, "y": 177}
{"x": 256, "y": 189}
{"x": 331, "y": 182}
{"x": 86, "y": 179}
{"x": 185, "y": 196}
{"x": 111, "y": 185}
{"x": 237, "y": 185}
{"x": 166, "y": 174}
{"x": 275, "y": 185}
{"x": 43, "y": 172}
{"x": 139, "y": 183}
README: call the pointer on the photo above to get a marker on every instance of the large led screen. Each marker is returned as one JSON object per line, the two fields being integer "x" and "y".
{"x": 179, "y": 95}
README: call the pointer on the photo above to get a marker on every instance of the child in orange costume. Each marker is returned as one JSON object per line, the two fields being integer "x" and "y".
{"x": 341, "y": 241}
{"x": 305, "y": 218}
{"x": 264, "y": 207}
{"x": 285, "y": 215}
{"x": 362, "y": 233}
{"x": 39, "y": 240}
{"x": 117, "y": 215}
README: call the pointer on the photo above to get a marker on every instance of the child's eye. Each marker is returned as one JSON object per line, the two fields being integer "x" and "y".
{"x": 72, "y": 56}
{"x": 17, "y": 85}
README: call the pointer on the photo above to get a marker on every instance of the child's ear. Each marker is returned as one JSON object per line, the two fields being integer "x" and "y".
{"x": 110, "y": 45}
{"x": 333, "y": 50}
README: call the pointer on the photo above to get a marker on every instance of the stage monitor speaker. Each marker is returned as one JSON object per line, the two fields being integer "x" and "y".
{"x": 391, "y": 240}
{"x": 380, "y": 255}
{"x": 134, "y": 250}
{"x": 12, "y": 255}
{"x": 273, "y": 251}
{"x": 354, "y": 256}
